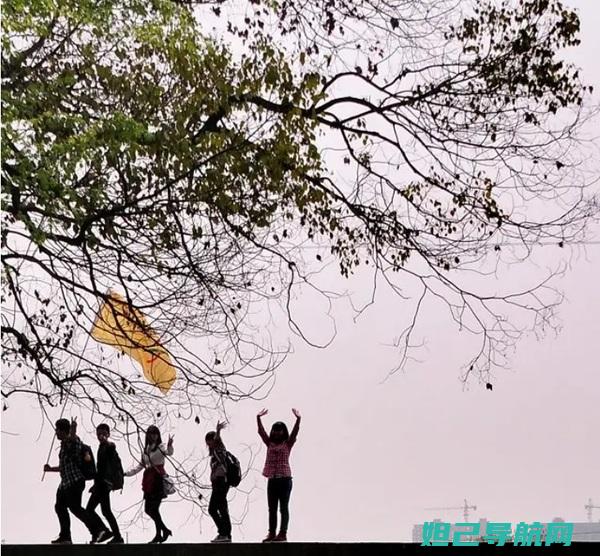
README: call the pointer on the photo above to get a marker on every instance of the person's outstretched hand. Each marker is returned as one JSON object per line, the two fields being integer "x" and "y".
{"x": 220, "y": 426}
{"x": 73, "y": 428}
{"x": 170, "y": 441}
{"x": 263, "y": 412}
{"x": 296, "y": 413}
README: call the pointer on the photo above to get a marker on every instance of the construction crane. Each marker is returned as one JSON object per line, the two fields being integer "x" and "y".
{"x": 589, "y": 507}
{"x": 465, "y": 508}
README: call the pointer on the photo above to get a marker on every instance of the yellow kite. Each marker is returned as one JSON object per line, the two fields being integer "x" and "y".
{"x": 124, "y": 327}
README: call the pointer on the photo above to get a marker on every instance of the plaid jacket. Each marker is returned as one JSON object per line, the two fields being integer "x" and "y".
{"x": 69, "y": 460}
{"x": 277, "y": 463}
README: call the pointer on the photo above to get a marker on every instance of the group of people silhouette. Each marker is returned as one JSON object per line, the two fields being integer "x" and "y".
{"x": 77, "y": 465}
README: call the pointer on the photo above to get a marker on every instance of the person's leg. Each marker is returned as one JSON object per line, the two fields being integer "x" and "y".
{"x": 272, "y": 500}
{"x": 154, "y": 513}
{"x": 75, "y": 493}
{"x": 165, "y": 531}
{"x": 151, "y": 509}
{"x": 62, "y": 511}
{"x": 107, "y": 512}
{"x": 213, "y": 507}
{"x": 224, "y": 509}
{"x": 284, "y": 501}
{"x": 95, "y": 519}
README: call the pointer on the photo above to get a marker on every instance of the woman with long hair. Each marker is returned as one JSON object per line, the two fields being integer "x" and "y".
{"x": 278, "y": 472}
{"x": 153, "y": 464}
{"x": 217, "y": 507}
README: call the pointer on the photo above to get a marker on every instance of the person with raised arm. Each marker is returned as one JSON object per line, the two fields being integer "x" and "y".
{"x": 153, "y": 464}
{"x": 278, "y": 472}
{"x": 217, "y": 506}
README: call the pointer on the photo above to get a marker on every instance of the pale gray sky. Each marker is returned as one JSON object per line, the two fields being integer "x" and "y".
{"x": 373, "y": 453}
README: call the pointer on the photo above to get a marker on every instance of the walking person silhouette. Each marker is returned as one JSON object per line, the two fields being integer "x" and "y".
{"x": 153, "y": 464}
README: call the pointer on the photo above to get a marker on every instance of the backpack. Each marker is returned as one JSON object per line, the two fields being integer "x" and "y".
{"x": 115, "y": 475}
{"x": 234, "y": 469}
{"x": 87, "y": 468}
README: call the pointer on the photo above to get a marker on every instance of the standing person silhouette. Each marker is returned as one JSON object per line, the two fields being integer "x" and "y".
{"x": 278, "y": 472}
{"x": 217, "y": 507}
{"x": 153, "y": 464}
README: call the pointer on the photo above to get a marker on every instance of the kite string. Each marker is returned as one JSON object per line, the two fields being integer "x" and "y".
{"x": 65, "y": 405}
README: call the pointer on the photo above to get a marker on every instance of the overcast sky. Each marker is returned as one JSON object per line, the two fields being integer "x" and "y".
{"x": 373, "y": 451}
